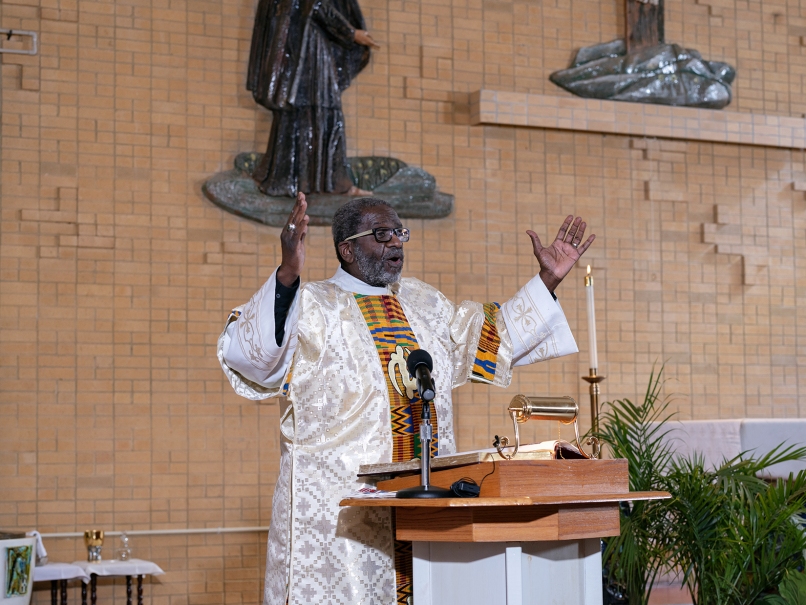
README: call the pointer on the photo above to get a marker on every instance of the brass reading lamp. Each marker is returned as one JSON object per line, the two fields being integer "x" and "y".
{"x": 561, "y": 409}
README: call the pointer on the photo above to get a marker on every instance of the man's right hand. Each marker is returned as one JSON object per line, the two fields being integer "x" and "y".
{"x": 292, "y": 241}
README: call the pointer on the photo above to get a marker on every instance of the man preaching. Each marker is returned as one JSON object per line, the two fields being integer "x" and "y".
{"x": 336, "y": 349}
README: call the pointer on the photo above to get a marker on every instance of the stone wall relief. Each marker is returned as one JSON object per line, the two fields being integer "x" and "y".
{"x": 643, "y": 68}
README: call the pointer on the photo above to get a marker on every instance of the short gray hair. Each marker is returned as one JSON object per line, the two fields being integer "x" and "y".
{"x": 347, "y": 219}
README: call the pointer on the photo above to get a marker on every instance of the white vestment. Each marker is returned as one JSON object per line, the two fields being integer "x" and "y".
{"x": 338, "y": 416}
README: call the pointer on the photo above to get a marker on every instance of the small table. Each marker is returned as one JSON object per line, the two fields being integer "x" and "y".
{"x": 56, "y": 574}
{"x": 132, "y": 567}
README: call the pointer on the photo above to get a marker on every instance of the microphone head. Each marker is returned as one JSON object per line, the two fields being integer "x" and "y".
{"x": 419, "y": 357}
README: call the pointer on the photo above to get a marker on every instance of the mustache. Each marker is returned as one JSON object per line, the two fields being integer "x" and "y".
{"x": 394, "y": 252}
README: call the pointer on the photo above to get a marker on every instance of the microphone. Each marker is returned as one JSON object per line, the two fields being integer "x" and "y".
{"x": 419, "y": 364}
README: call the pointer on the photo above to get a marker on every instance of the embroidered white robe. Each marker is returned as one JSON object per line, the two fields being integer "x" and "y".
{"x": 338, "y": 416}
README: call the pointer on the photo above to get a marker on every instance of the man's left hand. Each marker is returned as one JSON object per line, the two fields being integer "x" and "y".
{"x": 557, "y": 259}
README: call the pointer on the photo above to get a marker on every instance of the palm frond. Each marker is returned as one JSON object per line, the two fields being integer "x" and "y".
{"x": 638, "y": 434}
{"x": 726, "y": 532}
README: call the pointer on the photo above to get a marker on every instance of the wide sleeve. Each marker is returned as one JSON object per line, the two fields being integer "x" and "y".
{"x": 254, "y": 363}
{"x": 491, "y": 339}
{"x": 482, "y": 350}
{"x": 537, "y": 326}
{"x": 334, "y": 23}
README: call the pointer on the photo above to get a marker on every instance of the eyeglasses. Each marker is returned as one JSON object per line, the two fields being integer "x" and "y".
{"x": 384, "y": 234}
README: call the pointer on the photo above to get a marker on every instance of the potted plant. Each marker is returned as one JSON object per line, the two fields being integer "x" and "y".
{"x": 728, "y": 534}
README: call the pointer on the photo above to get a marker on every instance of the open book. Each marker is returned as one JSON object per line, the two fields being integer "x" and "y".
{"x": 547, "y": 450}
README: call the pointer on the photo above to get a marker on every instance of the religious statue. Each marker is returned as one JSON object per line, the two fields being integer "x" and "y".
{"x": 304, "y": 54}
{"x": 643, "y": 68}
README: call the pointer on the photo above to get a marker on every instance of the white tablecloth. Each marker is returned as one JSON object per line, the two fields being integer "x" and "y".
{"x": 112, "y": 567}
{"x": 59, "y": 571}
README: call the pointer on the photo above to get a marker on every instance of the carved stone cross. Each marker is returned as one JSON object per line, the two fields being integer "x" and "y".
{"x": 644, "y": 23}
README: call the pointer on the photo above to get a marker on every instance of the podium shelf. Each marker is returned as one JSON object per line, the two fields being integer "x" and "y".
{"x": 515, "y": 519}
{"x": 513, "y": 501}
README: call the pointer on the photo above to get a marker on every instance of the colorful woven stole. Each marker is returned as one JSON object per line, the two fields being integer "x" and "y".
{"x": 484, "y": 365}
{"x": 394, "y": 340}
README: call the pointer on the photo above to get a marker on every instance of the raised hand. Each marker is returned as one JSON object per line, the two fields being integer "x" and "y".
{"x": 557, "y": 259}
{"x": 292, "y": 241}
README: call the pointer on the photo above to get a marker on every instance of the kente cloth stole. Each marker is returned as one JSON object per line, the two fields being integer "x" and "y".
{"x": 394, "y": 340}
{"x": 487, "y": 352}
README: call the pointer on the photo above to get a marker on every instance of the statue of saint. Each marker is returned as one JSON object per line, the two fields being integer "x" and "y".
{"x": 304, "y": 54}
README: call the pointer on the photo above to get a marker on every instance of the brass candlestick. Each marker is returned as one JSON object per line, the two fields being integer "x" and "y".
{"x": 594, "y": 379}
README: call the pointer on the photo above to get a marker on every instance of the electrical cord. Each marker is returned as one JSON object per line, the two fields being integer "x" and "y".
{"x": 466, "y": 487}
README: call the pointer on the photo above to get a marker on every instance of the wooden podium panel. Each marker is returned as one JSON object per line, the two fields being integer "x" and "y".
{"x": 507, "y": 524}
{"x": 508, "y": 478}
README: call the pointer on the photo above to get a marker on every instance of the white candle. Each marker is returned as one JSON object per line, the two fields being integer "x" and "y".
{"x": 594, "y": 360}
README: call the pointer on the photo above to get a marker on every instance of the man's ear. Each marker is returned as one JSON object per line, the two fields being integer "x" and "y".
{"x": 346, "y": 252}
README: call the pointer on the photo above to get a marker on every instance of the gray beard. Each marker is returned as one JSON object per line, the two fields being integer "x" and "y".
{"x": 373, "y": 272}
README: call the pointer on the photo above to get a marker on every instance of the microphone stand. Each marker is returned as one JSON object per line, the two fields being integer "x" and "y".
{"x": 425, "y": 489}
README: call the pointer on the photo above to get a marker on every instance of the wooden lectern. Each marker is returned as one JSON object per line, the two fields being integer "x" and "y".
{"x": 531, "y": 538}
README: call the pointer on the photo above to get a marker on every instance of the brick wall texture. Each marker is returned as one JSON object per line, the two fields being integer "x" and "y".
{"x": 117, "y": 274}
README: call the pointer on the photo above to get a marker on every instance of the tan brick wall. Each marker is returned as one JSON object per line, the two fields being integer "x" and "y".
{"x": 117, "y": 274}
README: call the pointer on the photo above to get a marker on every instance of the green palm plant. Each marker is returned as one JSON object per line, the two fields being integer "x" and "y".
{"x": 638, "y": 433}
{"x": 731, "y": 533}
{"x": 727, "y": 532}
